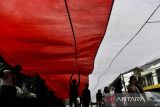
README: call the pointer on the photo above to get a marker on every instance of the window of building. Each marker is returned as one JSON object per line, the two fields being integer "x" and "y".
{"x": 149, "y": 78}
{"x": 158, "y": 75}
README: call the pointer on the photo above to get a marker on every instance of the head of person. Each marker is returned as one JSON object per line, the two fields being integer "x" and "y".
{"x": 106, "y": 90}
{"x": 99, "y": 91}
{"x": 38, "y": 79}
{"x": 86, "y": 85}
{"x": 133, "y": 80}
{"x": 74, "y": 82}
{"x": 17, "y": 69}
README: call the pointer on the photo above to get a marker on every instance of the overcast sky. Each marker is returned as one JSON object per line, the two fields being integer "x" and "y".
{"x": 127, "y": 18}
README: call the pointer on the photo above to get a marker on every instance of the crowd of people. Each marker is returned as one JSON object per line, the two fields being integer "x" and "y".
{"x": 73, "y": 94}
{"x": 133, "y": 96}
{"x": 116, "y": 98}
{"x": 19, "y": 90}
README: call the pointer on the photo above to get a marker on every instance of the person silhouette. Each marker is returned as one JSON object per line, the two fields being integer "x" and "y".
{"x": 41, "y": 90}
{"x": 8, "y": 90}
{"x": 19, "y": 76}
{"x": 106, "y": 97}
{"x": 99, "y": 98}
{"x": 73, "y": 94}
{"x": 134, "y": 91}
{"x": 118, "y": 92}
{"x": 86, "y": 96}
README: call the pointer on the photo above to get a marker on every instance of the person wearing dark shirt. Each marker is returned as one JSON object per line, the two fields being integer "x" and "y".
{"x": 118, "y": 93}
{"x": 86, "y": 96}
{"x": 19, "y": 76}
{"x": 99, "y": 98}
{"x": 7, "y": 84}
{"x": 41, "y": 90}
{"x": 73, "y": 94}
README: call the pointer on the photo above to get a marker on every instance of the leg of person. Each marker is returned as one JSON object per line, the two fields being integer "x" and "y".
{"x": 70, "y": 102}
{"x": 86, "y": 105}
{"x": 97, "y": 103}
{"x": 75, "y": 103}
{"x": 101, "y": 104}
{"x": 83, "y": 105}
